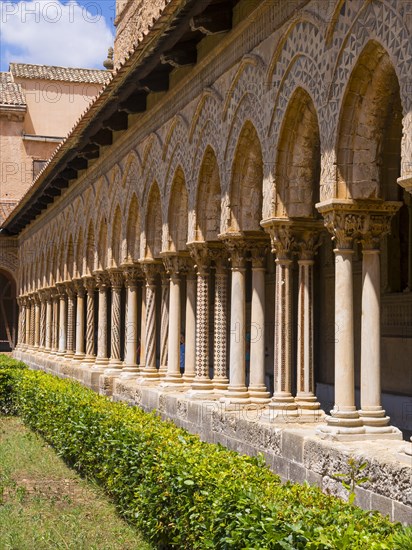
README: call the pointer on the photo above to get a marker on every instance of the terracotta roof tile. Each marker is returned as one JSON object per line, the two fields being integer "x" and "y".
{"x": 63, "y": 74}
{"x": 10, "y": 92}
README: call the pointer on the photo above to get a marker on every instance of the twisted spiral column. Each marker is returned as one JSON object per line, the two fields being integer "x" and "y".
{"x": 130, "y": 368}
{"x": 89, "y": 285}
{"x": 116, "y": 280}
{"x": 80, "y": 292}
{"x": 149, "y": 371}
{"x": 27, "y": 324}
{"x": 36, "y": 331}
{"x": 62, "y": 338}
{"x": 43, "y": 306}
{"x": 71, "y": 305}
{"x": 164, "y": 325}
{"x": 102, "y": 283}
{"x": 49, "y": 320}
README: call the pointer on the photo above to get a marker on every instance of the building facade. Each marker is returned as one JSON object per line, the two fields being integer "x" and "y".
{"x": 242, "y": 185}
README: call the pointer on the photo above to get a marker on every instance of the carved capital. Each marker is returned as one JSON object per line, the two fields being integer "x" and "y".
{"x": 151, "y": 269}
{"x": 132, "y": 274}
{"x": 116, "y": 279}
{"x": 89, "y": 284}
{"x": 237, "y": 247}
{"x": 70, "y": 290}
{"x": 176, "y": 264}
{"x": 281, "y": 235}
{"x": 366, "y": 220}
{"x": 61, "y": 289}
{"x": 199, "y": 251}
{"x": 102, "y": 280}
{"x": 258, "y": 251}
{"x": 78, "y": 285}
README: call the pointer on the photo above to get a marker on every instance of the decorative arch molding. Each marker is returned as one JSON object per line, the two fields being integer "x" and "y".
{"x": 9, "y": 262}
{"x": 132, "y": 169}
{"x": 153, "y": 166}
{"x": 207, "y": 137}
{"x": 248, "y": 78}
{"x": 176, "y": 133}
{"x": 208, "y": 108}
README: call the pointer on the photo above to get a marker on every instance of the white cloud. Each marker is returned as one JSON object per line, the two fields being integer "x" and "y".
{"x": 49, "y": 32}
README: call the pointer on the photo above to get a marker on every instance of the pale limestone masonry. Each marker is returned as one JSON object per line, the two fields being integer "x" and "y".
{"x": 231, "y": 222}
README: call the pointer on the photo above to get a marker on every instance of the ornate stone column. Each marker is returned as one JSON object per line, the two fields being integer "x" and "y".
{"x": 49, "y": 319}
{"x": 220, "y": 376}
{"x": 80, "y": 292}
{"x": 237, "y": 392}
{"x": 149, "y": 372}
{"x": 164, "y": 323}
{"x": 20, "y": 323}
{"x": 36, "y": 300}
{"x": 281, "y": 233}
{"x": 62, "y": 339}
{"x": 257, "y": 388}
{"x": 344, "y": 225}
{"x": 71, "y": 297}
{"x": 143, "y": 327}
{"x": 202, "y": 384}
{"x": 55, "y": 330}
{"x": 307, "y": 243}
{"x": 130, "y": 368}
{"x": 90, "y": 285}
{"x": 27, "y": 327}
{"x": 25, "y": 322}
{"x": 43, "y": 307}
{"x": 190, "y": 333}
{"x": 375, "y": 223}
{"x": 175, "y": 265}
{"x": 115, "y": 362}
{"x": 102, "y": 284}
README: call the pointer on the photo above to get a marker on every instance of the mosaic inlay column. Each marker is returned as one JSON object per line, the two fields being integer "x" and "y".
{"x": 149, "y": 371}
{"x": 202, "y": 383}
{"x": 80, "y": 292}
{"x": 71, "y": 305}
{"x": 237, "y": 391}
{"x": 375, "y": 225}
{"x": 257, "y": 388}
{"x": 164, "y": 323}
{"x": 90, "y": 285}
{"x": 190, "y": 332}
{"x": 102, "y": 284}
{"x": 36, "y": 299}
{"x": 220, "y": 375}
{"x": 307, "y": 243}
{"x": 116, "y": 280}
{"x": 49, "y": 319}
{"x": 282, "y": 245}
{"x": 130, "y": 368}
{"x": 62, "y": 338}
{"x": 43, "y": 307}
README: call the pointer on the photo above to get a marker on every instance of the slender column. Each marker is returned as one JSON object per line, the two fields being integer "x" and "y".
{"x": 130, "y": 368}
{"x": 237, "y": 392}
{"x": 43, "y": 306}
{"x": 36, "y": 300}
{"x": 408, "y": 201}
{"x": 143, "y": 327}
{"x": 372, "y": 415}
{"x": 257, "y": 388}
{"x": 79, "y": 289}
{"x": 27, "y": 327}
{"x": 344, "y": 418}
{"x": 149, "y": 371}
{"x": 220, "y": 375}
{"x": 116, "y": 279}
{"x": 102, "y": 283}
{"x": 174, "y": 266}
{"x": 202, "y": 383}
{"x": 49, "y": 320}
{"x": 55, "y": 336}
{"x": 308, "y": 243}
{"x": 20, "y": 323}
{"x": 164, "y": 324}
{"x": 90, "y": 285}
{"x": 62, "y": 340}
{"x": 71, "y": 306}
{"x": 190, "y": 333}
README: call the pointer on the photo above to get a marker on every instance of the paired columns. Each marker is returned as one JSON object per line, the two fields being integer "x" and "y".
{"x": 366, "y": 221}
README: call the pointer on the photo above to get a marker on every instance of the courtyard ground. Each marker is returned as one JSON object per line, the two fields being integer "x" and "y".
{"x": 45, "y": 505}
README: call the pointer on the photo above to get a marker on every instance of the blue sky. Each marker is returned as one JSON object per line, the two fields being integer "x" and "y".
{"x": 74, "y": 33}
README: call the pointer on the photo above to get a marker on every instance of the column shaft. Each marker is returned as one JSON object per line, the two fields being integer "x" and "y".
{"x": 49, "y": 321}
{"x": 36, "y": 322}
{"x": 62, "y": 341}
{"x": 164, "y": 325}
{"x": 190, "y": 333}
{"x": 89, "y": 284}
{"x": 102, "y": 283}
{"x": 71, "y": 306}
{"x": 116, "y": 279}
{"x": 150, "y": 371}
{"x": 130, "y": 368}
{"x": 220, "y": 377}
{"x": 79, "y": 287}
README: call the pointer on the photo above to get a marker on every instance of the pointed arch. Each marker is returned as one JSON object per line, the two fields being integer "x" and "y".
{"x": 246, "y": 184}
{"x": 298, "y": 159}
{"x": 133, "y": 231}
{"x": 208, "y": 200}
{"x": 116, "y": 240}
{"x": 153, "y": 223}
{"x": 370, "y": 128}
{"x": 102, "y": 245}
{"x": 80, "y": 254}
{"x": 178, "y": 212}
{"x": 90, "y": 246}
{"x": 70, "y": 259}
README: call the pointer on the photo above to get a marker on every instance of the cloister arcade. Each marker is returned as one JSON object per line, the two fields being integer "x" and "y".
{"x": 267, "y": 224}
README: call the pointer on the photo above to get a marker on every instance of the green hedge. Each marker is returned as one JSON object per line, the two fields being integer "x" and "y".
{"x": 181, "y": 492}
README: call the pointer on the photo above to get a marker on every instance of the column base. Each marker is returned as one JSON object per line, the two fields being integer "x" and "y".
{"x": 148, "y": 376}
{"x": 202, "y": 388}
{"x": 374, "y": 417}
{"x": 307, "y": 401}
{"x": 114, "y": 368}
{"x": 129, "y": 371}
{"x": 283, "y": 401}
{"x": 88, "y": 361}
{"x": 259, "y": 394}
{"x": 78, "y": 357}
{"x": 162, "y": 371}
{"x": 236, "y": 395}
{"x": 220, "y": 384}
{"x": 171, "y": 380}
